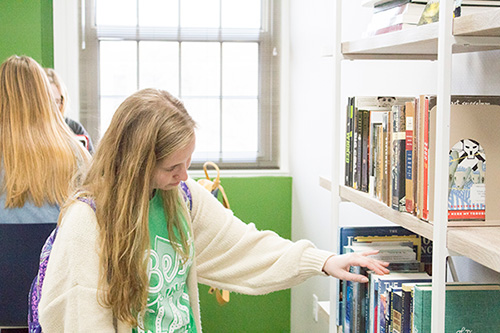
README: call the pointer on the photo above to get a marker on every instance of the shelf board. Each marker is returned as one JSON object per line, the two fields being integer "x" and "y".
{"x": 485, "y": 24}
{"x": 480, "y": 244}
{"x": 421, "y": 42}
{"x": 405, "y": 220}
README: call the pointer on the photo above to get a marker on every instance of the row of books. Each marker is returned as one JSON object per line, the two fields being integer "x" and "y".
{"x": 405, "y": 250}
{"x": 390, "y": 149}
{"x": 394, "y": 15}
{"x": 401, "y": 300}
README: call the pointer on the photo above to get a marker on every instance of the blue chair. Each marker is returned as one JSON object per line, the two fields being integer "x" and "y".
{"x": 20, "y": 246}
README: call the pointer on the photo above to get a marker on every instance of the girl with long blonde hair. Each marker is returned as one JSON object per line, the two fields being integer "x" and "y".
{"x": 39, "y": 156}
{"x": 140, "y": 235}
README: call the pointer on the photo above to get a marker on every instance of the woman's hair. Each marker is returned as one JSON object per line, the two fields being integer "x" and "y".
{"x": 56, "y": 80}
{"x": 38, "y": 153}
{"x": 147, "y": 127}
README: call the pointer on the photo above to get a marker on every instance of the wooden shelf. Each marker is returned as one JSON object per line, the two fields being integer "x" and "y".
{"x": 421, "y": 42}
{"x": 480, "y": 244}
{"x": 406, "y": 220}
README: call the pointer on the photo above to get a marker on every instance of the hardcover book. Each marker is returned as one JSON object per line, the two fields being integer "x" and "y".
{"x": 467, "y": 190}
{"x": 472, "y": 119}
{"x": 469, "y": 308}
{"x": 409, "y": 170}
{"x": 398, "y": 157}
{"x": 349, "y": 142}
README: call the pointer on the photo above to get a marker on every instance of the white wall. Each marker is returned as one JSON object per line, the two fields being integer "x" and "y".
{"x": 310, "y": 125}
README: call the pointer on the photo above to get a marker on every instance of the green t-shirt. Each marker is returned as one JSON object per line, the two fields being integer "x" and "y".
{"x": 168, "y": 308}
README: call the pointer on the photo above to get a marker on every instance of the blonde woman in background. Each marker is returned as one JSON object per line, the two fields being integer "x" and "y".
{"x": 39, "y": 155}
{"x": 62, "y": 100}
{"x": 39, "y": 158}
{"x": 145, "y": 204}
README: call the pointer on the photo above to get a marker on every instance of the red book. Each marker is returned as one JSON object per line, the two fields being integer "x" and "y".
{"x": 409, "y": 158}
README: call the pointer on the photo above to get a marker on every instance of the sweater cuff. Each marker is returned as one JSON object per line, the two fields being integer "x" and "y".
{"x": 313, "y": 261}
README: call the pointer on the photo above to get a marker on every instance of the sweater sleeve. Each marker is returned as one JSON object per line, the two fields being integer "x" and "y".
{"x": 69, "y": 294}
{"x": 235, "y": 256}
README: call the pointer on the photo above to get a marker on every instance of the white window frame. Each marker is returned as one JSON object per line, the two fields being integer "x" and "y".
{"x": 272, "y": 144}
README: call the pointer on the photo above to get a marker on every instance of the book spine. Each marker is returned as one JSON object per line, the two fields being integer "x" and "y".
{"x": 420, "y": 178}
{"x": 415, "y": 156}
{"x": 387, "y": 123}
{"x": 425, "y": 206}
{"x": 355, "y": 147}
{"x": 398, "y": 154}
{"x": 348, "y": 144}
{"x": 359, "y": 149}
{"x": 410, "y": 110}
{"x": 405, "y": 312}
{"x": 365, "y": 149}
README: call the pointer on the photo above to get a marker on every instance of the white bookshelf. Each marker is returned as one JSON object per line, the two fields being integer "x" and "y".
{"x": 437, "y": 41}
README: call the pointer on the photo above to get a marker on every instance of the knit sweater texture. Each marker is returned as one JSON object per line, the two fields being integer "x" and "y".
{"x": 229, "y": 254}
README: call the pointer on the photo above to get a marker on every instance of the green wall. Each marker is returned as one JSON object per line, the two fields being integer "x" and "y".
{"x": 26, "y": 28}
{"x": 265, "y": 201}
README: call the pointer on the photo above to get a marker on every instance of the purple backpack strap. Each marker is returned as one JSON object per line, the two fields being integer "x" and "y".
{"x": 88, "y": 201}
{"x": 35, "y": 292}
{"x": 186, "y": 193}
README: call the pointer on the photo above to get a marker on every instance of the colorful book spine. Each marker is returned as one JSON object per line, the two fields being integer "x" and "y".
{"x": 395, "y": 309}
{"x": 356, "y": 151}
{"x": 425, "y": 203}
{"x": 410, "y": 113}
{"x": 365, "y": 149}
{"x": 398, "y": 157}
{"x": 407, "y": 307}
{"x": 348, "y": 143}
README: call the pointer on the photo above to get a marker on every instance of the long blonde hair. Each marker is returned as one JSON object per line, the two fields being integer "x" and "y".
{"x": 38, "y": 153}
{"x": 148, "y": 126}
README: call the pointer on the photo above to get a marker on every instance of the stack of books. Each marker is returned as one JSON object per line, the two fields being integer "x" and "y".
{"x": 406, "y": 251}
{"x": 395, "y": 15}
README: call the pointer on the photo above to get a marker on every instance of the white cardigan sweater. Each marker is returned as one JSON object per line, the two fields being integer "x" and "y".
{"x": 229, "y": 254}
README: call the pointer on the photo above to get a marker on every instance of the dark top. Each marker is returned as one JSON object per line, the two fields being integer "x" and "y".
{"x": 78, "y": 129}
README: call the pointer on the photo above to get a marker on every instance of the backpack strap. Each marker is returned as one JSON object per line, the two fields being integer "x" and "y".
{"x": 89, "y": 201}
{"x": 186, "y": 193}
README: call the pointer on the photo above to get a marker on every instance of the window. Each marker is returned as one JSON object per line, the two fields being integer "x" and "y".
{"x": 220, "y": 57}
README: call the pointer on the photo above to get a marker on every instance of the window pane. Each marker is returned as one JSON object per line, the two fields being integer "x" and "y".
{"x": 200, "y": 69}
{"x": 107, "y": 13}
{"x": 240, "y": 13}
{"x": 206, "y": 113}
{"x": 159, "y": 13}
{"x": 118, "y": 68}
{"x": 240, "y": 69}
{"x": 108, "y": 108}
{"x": 240, "y": 125}
{"x": 159, "y": 66}
{"x": 200, "y": 13}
